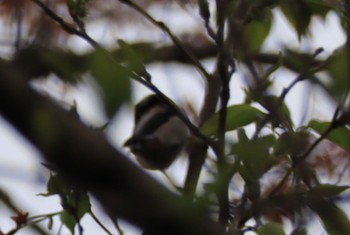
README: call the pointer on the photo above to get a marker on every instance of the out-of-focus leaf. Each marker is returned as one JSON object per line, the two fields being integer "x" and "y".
{"x": 339, "y": 136}
{"x": 282, "y": 145}
{"x": 75, "y": 204}
{"x": 280, "y": 114}
{"x": 339, "y": 70}
{"x": 66, "y": 65}
{"x": 133, "y": 60}
{"x": 78, "y": 9}
{"x": 83, "y": 205}
{"x": 320, "y": 8}
{"x": 299, "y": 231}
{"x": 255, "y": 33}
{"x": 298, "y": 14}
{"x": 333, "y": 218}
{"x": 293, "y": 143}
{"x": 299, "y": 61}
{"x": 75, "y": 201}
{"x": 68, "y": 220}
{"x": 237, "y": 116}
{"x": 113, "y": 79}
{"x": 270, "y": 229}
{"x": 326, "y": 191}
{"x": 39, "y": 62}
{"x": 254, "y": 155}
{"x": 56, "y": 185}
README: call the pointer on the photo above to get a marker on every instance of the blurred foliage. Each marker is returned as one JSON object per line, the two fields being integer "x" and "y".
{"x": 276, "y": 160}
{"x": 113, "y": 80}
{"x": 74, "y": 200}
{"x": 237, "y": 116}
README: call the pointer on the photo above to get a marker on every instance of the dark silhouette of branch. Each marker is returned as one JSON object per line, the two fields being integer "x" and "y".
{"x": 85, "y": 157}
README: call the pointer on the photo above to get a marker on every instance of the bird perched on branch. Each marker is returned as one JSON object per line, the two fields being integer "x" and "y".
{"x": 159, "y": 135}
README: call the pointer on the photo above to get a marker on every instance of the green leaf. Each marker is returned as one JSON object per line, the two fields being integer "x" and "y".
{"x": 270, "y": 229}
{"x": 298, "y": 13}
{"x": 78, "y": 9}
{"x": 68, "y": 220}
{"x": 326, "y": 191}
{"x": 133, "y": 59}
{"x": 333, "y": 218}
{"x": 56, "y": 185}
{"x": 293, "y": 143}
{"x": 75, "y": 201}
{"x": 320, "y": 8}
{"x": 66, "y": 65}
{"x": 299, "y": 231}
{"x": 237, "y": 116}
{"x": 254, "y": 155}
{"x": 339, "y": 136}
{"x": 256, "y": 31}
{"x": 113, "y": 79}
{"x": 339, "y": 70}
{"x": 280, "y": 114}
{"x": 83, "y": 205}
{"x": 298, "y": 61}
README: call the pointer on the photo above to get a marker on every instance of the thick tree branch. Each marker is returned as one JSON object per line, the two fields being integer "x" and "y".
{"x": 84, "y": 156}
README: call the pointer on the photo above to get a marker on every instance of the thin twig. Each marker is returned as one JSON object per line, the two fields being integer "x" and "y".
{"x": 69, "y": 28}
{"x": 278, "y": 105}
{"x": 299, "y": 78}
{"x": 94, "y": 217}
{"x": 210, "y": 31}
{"x": 166, "y": 29}
{"x": 116, "y": 224}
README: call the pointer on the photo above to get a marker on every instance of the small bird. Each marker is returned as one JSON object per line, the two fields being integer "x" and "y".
{"x": 159, "y": 135}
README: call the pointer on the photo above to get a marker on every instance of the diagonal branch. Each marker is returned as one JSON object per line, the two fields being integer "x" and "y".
{"x": 69, "y": 28}
{"x": 85, "y": 157}
{"x": 175, "y": 40}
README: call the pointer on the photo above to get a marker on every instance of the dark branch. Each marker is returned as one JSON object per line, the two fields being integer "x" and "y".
{"x": 84, "y": 156}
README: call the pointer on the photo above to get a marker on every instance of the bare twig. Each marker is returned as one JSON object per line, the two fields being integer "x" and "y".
{"x": 116, "y": 224}
{"x": 166, "y": 29}
{"x": 285, "y": 91}
{"x": 69, "y": 28}
{"x": 94, "y": 217}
